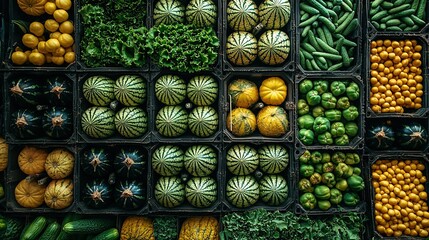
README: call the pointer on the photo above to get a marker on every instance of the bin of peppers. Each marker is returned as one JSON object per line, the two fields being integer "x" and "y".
{"x": 329, "y": 180}
{"x": 328, "y": 112}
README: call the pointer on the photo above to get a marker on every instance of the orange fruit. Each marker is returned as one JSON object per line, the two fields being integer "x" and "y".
{"x": 55, "y": 35}
{"x": 66, "y": 27}
{"x": 37, "y": 58}
{"x": 30, "y": 41}
{"x": 63, "y": 4}
{"x": 69, "y": 57}
{"x": 58, "y": 60}
{"x": 60, "y": 15}
{"x": 66, "y": 40}
{"x": 51, "y": 25}
{"x": 50, "y": 8}
{"x": 42, "y": 47}
{"x": 19, "y": 57}
{"x": 59, "y": 52}
{"x": 37, "y": 28}
{"x": 52, "y": 44}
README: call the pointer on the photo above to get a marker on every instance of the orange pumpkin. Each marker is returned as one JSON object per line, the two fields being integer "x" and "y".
{"x": 32, "y": 7}
{"x": 29, "y": 194}
{"x": 273, "y": 91}
{"x": 137, "y": 227}
{"x": 241, "y": 122}
{"x": 31, "y": 160}
{"x": 59, "y": 194}
{"x": 59, "y": 163}
{"x": 242, "y": 93}
{"x": 272, "y": 121}
{"x": 3, "y": 154}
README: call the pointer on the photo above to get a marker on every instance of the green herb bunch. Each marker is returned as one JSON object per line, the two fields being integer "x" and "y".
{"x": 165, "y": 228}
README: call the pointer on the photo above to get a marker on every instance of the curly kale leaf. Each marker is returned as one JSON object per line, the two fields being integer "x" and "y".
{"x": 165, "y": 228}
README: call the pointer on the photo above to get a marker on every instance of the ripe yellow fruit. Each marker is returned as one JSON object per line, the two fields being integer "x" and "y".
{"x": 59, "y": 52}
{"x": 37, "y": 28}
{"x": 66, "y": 27}
{"x": 61, "y": 15}
{"x": 48, "y": 57}
{"x": 55, "y": 35}
{"x": 37, "y": 58}
{"x": 19, "y": 57}
{"x": 66, "y": 40}
{"x": 52, "y": 45}
{"x": 41, "y": 47}
{"x": 50, "y": 8}
{"x": 69, "y": 57}
{"x": 51, "y": 25}
{"x": 58, "y": 60}
{"x": 30, "y": 41}
{"x": 63, "y": 4}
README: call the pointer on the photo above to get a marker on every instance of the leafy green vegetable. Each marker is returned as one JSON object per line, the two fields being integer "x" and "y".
{"x": 165, "y": 228}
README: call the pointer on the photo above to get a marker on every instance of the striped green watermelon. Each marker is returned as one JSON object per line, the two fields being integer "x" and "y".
{"x": 168, "y": 12}
{"x": 241, "y": 48}
{"x": 171, "y": 121}
{"x": 98, "y": 90}
{"x": 170, "y": 89}
{"x": 273, "y": 47}
{"x": 242, "y": 15}
{"x": 203, "y": 121}
{"x": 27, "y": 91}
{"x": 273, "y": 158}
{"x": 202, "y": 90}
{"x": 274, "y": 14}
{"x": 169, "y": 192}
{"x": 242, "y": 159}
{"x": 131, "y": 122}
{"x": 273, "y": 189}
{"x": 200, "y": 160}
{"x": 130, "y": 90}
{"x": 167, "y": 160}
{"x": 242, "y": 191}
{"x": 201, "y": 13}
{"x": 201, "y": 191}
{"x": 98, "y": 122}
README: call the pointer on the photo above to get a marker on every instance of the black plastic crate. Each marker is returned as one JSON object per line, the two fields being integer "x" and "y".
{"x": 14, "y": 175}
{"x": 258, "y": 65}
{"x": 341, "y": 208}
{"x": 423, "y": 40}
{"x": 370, "y": 160}
{"x": 257, "y": 78}
{"x": 357, "y": 141}
{"x": 186, "y": 207}
{"x": 84, "y": 104}
{"x": 188, "y": 136}
{"x": 11, "y": 106}
{"x": 289, "y": 175}
{"x": 82, "y": 208}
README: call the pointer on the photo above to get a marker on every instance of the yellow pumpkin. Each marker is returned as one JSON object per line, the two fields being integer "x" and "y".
{"x": 242, "y": 93}
{"x": 30, "y": 41}
{"x": 32, "y": 7}
{"x": 241, "y": 122}
{"x": 29, "y": 194}
{"x": 31, "y": 160}
{"x": 272, "y": 121}
{"x": 19, "y": 57}
{"x": 137, "y": 227}
{"x": 206, "y": 228}
{"x": 59, "y": 163}
{"x": 59, "y": 194}
{"x": 3, "y": 154}
{"x": 273, "y": 91}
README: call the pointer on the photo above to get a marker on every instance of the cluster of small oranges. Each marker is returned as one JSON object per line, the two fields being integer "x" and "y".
{"x": 51, "y": 41}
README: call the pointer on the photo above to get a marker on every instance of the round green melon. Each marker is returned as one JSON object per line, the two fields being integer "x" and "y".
{"x": 273, "y": 47}
{"x": 130, "y": 90}
{"x": 168, "y": 12}
{"x": 167, "y": 160}
{"x": 131, "y": 122}
{"x": 171, "y": 121}
{"x": 201, "y": 191}
{"x": 242, "y": 191}
{"x": 99, "y": 90}
{"x": 203, "y": 121}
{"x": 201, "y": 13}
{"x": 98, "y": 122}
{"x": 170, "y": 89}
{"x": 241, "y": 48}
{"x": 273, "y": 190}
{"x": 242, "y": 15}
{"x": 202, "y": 90}
{"x": 273, "y": 158}
{"x": 200, "y": 160}
{"x": 242, "y": 159}
{"x": 169, "y": 192}
{"x": 274, "y": 14}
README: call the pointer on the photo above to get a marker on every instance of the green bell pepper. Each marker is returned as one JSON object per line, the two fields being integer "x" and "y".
{"x": 318, "y": 168}
{"x": 322, "y": 192}
{"x": 306, "y": 122}
{"x": 329, "y": 101}
{"x": 337, "y": 129}
{"x": 351, "y": 129}
{"x": 308, "y": 201}
{"x": 306, "y": 170}
{"x": 349, "y": 172}
{"x": 356, "y": 183}
{"x": 325, "y": 138}
{"x": 336, "y": 196}
{"x": 337, "y": 88}
{"x": 321, "y": 125}
{"x": 313, "y": 98}
{"x": 329, "y": 179}
{"x": 341, "y": 184}
{"x": 341, "y": 169}
{"x": 3, "y": 225}
{"x": 342, "y": 141}
{"x": 343, "y": 103}
{"x": 352, "y": 158}
{"x": 318, "y": 111}
{"x": 305, "y": 157}
{"x": 326, "y": 157}
{"x": 324, "y": 205}
{"x": 333, "y": 115}
{"x": 305, "y": 86}
{"x": 351, "y": 199}
{"x": 316, "y": 157}
{"x": 306, "y": 136}
{"x": 338, "y": 157}
{"x": 328, "y": 167}
{"x": 304, "y": 185}
{"x": 352, "y": 91}
{"x": 351, "y": 113}
{"x": 303, "y": 107}
{"x": 357, "y": 171}
{"x": 315, "y": 179}
{"x": 321, "y": 86}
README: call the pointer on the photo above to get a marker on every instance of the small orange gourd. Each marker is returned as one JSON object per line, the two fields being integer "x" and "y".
{"x": 32, "y": 7}
{"x": 241, "y": 122}
{"x": 59, "y": 163}
{"x": 59, "y": 194}
{"x": 29, "y": 194}
{"x": 31, "y": 160}
{"x": 242, "y": 93}
{"x": 272, "y": 121}
{"x": 206, "y": 227}
{"x": 137, "y": 227}
{"x": 3, "y": 154}
{"x": 273, "y": 91}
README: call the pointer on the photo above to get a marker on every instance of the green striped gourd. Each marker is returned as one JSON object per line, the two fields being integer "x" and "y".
{"x": 27, "y": 91}
{"x": 98, "y": 90}
{"x": 274, "y": 14}
{"x": 241, "y": 48}
{"x": 130, "y": 90}
{"x": 167, "y": 160}
{"x": 273, "y": 47}
{"x": 202, "y": 90}
{"x": 242, "y": 15}
{"x": 273, "y": 189}
{"x": 203, "y": 121}
{"x": 242, "y": 159}
{"x": 242, "y": 191}
{"x": 169, "y": 192}
{"x": 171, "y": 121}
{"x": 131, "y": 122}
{"x": 168, "y": 12}
{"x": 201, "y": 13}
{"x": 201, "y": 191}
{"x": 170, "y": 89}
{"x": 98, "y": 122}
{"x": 200, "y": 160}
{"x": 273, "y": 158}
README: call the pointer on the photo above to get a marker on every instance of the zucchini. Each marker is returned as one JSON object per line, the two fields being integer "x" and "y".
{"x": 88, "y": 226}
{"x": 35, "y": 228}
{"x": 109, "y": 234}
{"x": 68, "y": 218}
{"x": 51, "y": 232}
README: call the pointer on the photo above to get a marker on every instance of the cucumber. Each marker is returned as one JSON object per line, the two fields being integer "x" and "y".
{"x": 68, "y": 218}
{"x": 51, "y": 232}
{"x": 109, "y": 234}
{"x": 88, "y": 226}
{"x": 35, "y": 228}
